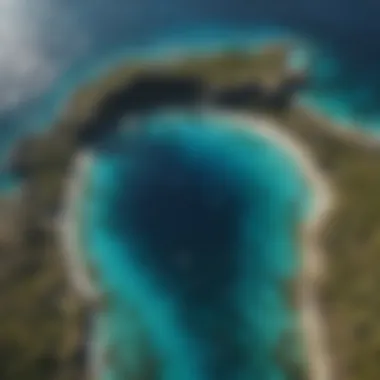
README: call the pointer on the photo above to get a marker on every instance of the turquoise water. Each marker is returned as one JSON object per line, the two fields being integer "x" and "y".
{"x": 343, "y": 86}
{"x": 192, "y": 238}
{"x": 340, "y": 87}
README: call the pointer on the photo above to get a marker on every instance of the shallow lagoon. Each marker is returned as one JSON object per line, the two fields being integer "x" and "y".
{"x": 337, "y": 89}
{"x": 191, "y": 228}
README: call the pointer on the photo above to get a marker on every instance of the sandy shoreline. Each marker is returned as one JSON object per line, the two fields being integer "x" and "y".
{"x": 69, "y": 226}
{"x": 313, "y": 325}
{"x": 312, "y": 266}
{"x": 347, "y": 132}
{"x": 70, "y": 230}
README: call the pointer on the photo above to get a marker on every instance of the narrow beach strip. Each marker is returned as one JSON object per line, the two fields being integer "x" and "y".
{"x": 313, "y": 325}
{"x": 347, "y": 132}
{"x": 70, "y": 227}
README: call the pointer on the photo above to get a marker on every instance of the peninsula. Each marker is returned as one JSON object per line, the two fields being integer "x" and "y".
{"x": 43, "y": 333}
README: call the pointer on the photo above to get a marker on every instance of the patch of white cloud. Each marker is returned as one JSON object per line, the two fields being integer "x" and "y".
{"x": 38, "y": 39}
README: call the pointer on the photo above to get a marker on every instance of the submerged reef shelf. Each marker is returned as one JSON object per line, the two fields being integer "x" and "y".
{"x": 253, "y": 84}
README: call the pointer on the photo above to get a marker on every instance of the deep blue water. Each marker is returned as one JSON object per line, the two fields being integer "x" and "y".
{"x": 343, "y": 38}
{"x": 345, "y": 78}
{"x": 188, "y": 229}
{"x": 345, "y": 82}
{"x": 346, "y": 32}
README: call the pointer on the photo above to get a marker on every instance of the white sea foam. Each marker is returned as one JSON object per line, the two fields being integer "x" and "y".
{"x": 38, "y": 39}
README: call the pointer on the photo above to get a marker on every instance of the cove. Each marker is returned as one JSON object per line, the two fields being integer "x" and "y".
{"x": 190, "y": 226}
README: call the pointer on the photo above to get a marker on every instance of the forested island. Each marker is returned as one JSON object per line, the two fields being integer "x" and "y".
{"x": 45, "y": 328}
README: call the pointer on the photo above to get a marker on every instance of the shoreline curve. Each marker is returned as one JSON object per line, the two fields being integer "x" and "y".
{"x": 313, "y": 325}
{"x": 313, "y": 331}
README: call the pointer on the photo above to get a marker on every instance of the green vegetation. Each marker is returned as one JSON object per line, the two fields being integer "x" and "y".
{"x": 351, "y": 242}
{"x": 41, "y": 319}
{"x": 41, "y": 327}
